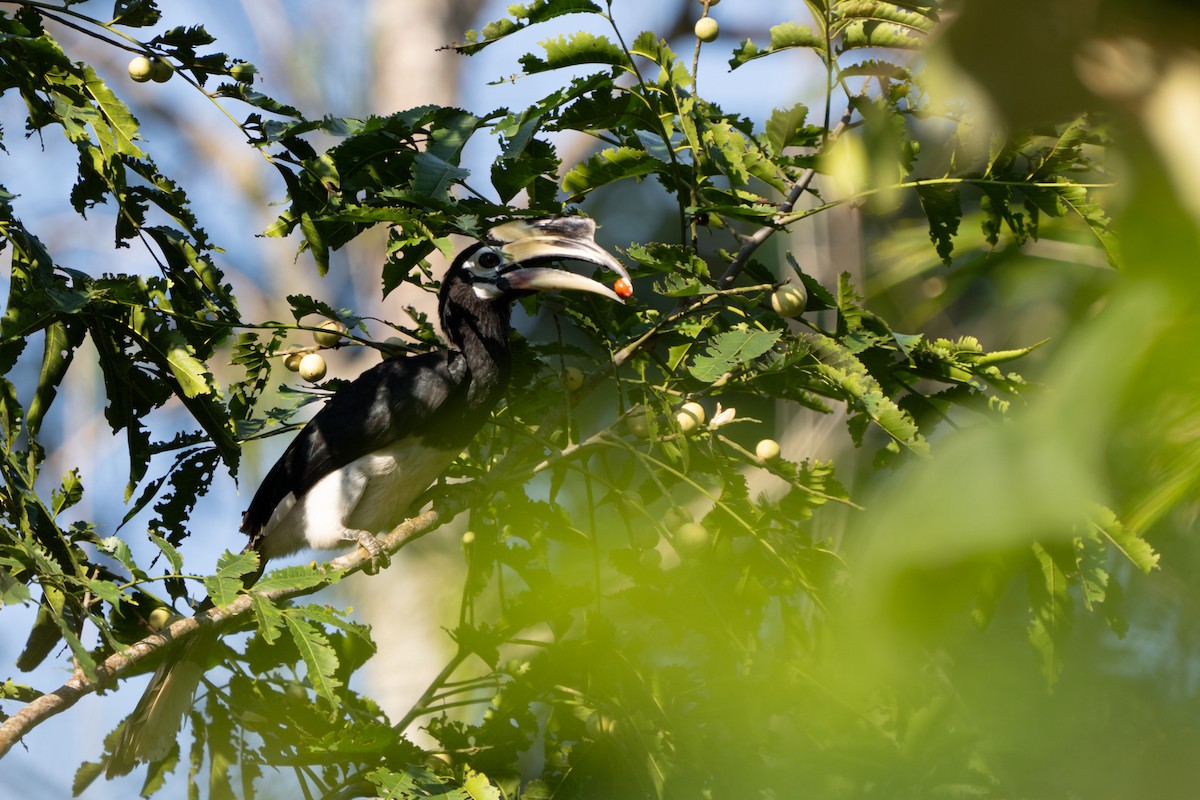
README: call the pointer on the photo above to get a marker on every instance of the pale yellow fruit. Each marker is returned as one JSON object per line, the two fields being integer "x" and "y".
{"x": 600, "y": 724}
{"x": 789, "y": 300}
{"x": 140, "y": 69}
{"x": 572, "y": 378}
{"x": 767, "y": 449}
{"x": 439, "y": 762}
{"x": 330, "y": 333}
{"x": 160, "y": 618}
{"x": 312, "y": 367}
{"x": 292, "y": 361}
{"x": 691, "y": 539}
{"x": 690, "y": 416}
{"x": 707, "y": 29}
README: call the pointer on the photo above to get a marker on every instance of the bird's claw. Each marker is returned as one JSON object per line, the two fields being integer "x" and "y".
{"x": 369, "y": 542}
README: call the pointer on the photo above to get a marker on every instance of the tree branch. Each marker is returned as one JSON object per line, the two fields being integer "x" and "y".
{"x": 754, "y": 240}
{"x": 118, "y": 664}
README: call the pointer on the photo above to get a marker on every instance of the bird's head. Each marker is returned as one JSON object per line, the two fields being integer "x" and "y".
{"x": 516, "y": 257}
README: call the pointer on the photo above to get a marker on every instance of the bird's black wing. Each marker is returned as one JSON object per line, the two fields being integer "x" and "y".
{"x": 397, "y": 398}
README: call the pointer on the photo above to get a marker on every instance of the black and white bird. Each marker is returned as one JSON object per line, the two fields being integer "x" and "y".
{"x": 380, "y": 441}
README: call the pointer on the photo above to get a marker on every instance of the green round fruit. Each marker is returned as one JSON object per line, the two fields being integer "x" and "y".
{"x": 650, "y": 559}
{"x": 692, "y": 539}
{"x": 291, "y": 361}
{"x": 312, "y": 367}
{"x": 161, "y": 71}
{"x": 644, "y": 537}
{"x": 242, "y": 72}
{"x": 140, "y": 69}
{"x": 330, "y": 334}
{"x": 767, "y": 449}
{"x": 789, "y": 300}
{"x": 638, "y": 423}
{"x": 707, "y": 29}
{"x": 572, "y": 378}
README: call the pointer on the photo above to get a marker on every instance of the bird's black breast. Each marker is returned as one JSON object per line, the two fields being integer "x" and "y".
{"x": 423, "y": 396}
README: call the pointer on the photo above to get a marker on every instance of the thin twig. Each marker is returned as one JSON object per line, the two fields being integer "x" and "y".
{"x": 754, "y": 240}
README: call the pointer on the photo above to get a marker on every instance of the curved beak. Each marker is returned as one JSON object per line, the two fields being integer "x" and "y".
{"x": 528, "y": 243}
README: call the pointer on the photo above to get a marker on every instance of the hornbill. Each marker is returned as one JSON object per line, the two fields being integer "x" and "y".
{"x": 382, "y": 439}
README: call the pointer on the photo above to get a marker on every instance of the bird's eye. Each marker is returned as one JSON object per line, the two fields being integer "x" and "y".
{"x": 488, "y": 259}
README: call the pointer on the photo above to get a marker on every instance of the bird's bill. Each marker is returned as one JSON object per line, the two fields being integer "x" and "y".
{"x": 528, "y": 242}
{"x": 548, "y": 279}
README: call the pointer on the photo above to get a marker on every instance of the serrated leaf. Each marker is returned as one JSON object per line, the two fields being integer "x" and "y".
{"x": 294, "y": 577}
{"x": 786, "y": 36}
{"x": 607, "y": 166}
{"x": 575, "y": 50}
{"x": 730, "y": 349}
{"x": 57, "y": 353}
{"x": 877, "y": 11}
{"x": 269, "y": 617}
{"x": 433, "y": 176}
{"x": 784, "y": 125}
{"x": 224, "y": 586}
{"x": 943, "y": 208}
{"x": 116, "y": 129}
{"x": 1051, "y": 606}
{"x": 527, "y": 15}
{"x": 1128, "y": 543}
{"x": 168, "y": 550}
{"x": 868, "y": 34}
{"x": 479, "y": 787}
{"x": 319, "y": 658}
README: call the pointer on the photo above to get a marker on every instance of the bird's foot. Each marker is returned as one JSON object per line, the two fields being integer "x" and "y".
{"x": 370, "y": 542}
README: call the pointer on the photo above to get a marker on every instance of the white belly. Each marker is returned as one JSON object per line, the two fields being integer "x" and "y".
{"x": 369, "y": 494}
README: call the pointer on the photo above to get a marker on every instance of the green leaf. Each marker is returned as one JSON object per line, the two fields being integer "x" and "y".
{"x": 115, "y": 127}
{"x": 868, "y": 11}
{"x": 269, "y": 617}
{"x": 294, "y": 577}
{"x": 786, "y": 36}
{"x": 479, "y": 787}
{"x": 527, "y": 15}
{"x": 784, "y": 126}
{"x": 730, "y": 349}
{"x": 575, "y": 50}
{"x": 608, "y": 166}
{"x": 319, "y": 658}
{"x": 1051, "y": 618}
{"x": 1128, "y": 543}
{"x": 58, "y": 351}
{"x": 168, "y": 550}
{"x": 943, "y": 208}
{"x": 864, "y": 34}
{"x": 224, "y": 586}
{"x": 135, "y": 14}
{"x": 433, "y": 176}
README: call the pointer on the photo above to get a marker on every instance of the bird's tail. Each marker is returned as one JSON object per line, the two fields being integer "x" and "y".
{"x": 151, "y": 730}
